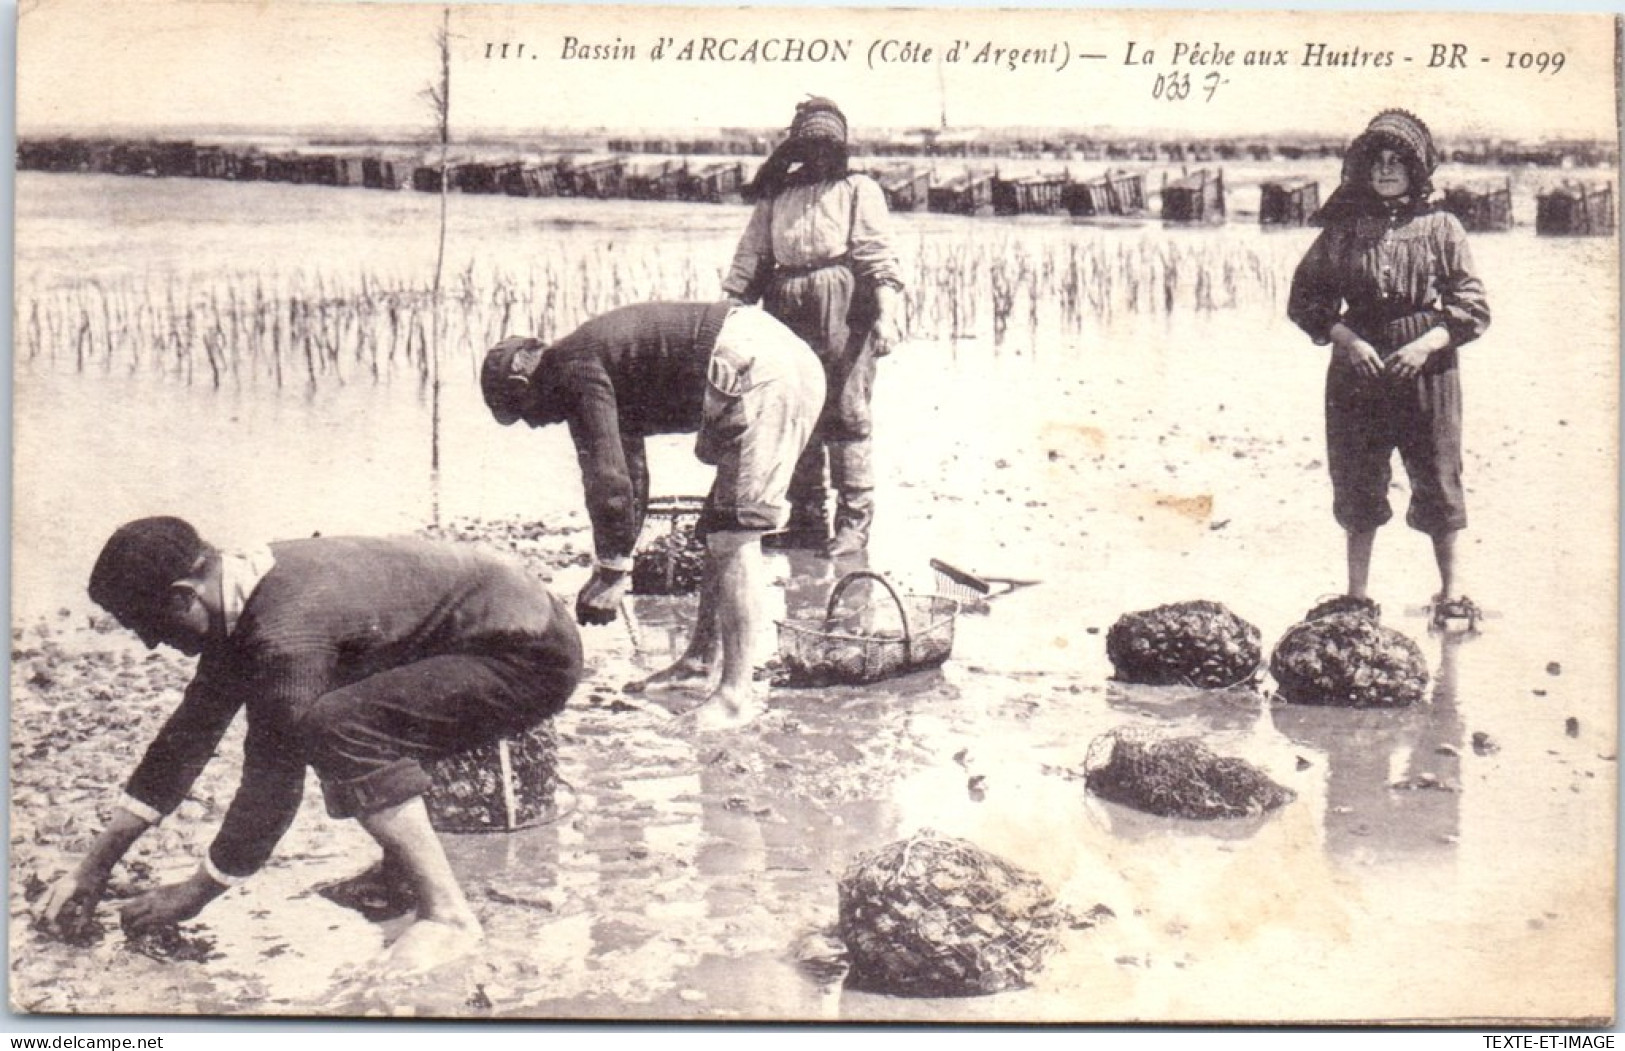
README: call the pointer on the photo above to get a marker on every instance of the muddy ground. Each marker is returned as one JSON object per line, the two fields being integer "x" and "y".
{"x": 695, "y": 877}
{"x": 1451, "y": 861}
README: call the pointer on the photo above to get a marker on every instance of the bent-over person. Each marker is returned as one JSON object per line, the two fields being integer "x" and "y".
{"x": 750, "y": 390}
{"x": 362, "y": 658}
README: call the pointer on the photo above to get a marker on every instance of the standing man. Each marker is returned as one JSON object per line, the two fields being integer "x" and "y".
{"x": 363, "y": 658}
{"x": 749, "y": 388}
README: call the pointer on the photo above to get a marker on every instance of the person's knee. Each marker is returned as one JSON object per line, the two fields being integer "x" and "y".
{"x": 380, "y": 788}
{"x": 725, "y": 543}
{"x": 321, "y": 721}
{"x": 1361, "y": 512}
{"x": 744, "y": 516}
{"x": 1436, "y": 519}
{"x": 846, "y": 421}
{"x": 335, "y": 741}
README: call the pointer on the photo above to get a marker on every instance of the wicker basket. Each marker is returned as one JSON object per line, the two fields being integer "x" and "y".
{"x": 820, "y": 653}
{"x": 502, "y": 786}
{"x": 671, "y": 562}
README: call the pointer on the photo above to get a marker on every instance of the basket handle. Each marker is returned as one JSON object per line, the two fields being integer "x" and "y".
{"x": 902, "y": 610}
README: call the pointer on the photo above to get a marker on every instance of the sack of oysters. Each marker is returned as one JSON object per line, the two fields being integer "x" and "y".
{"x": 935, "y": 916}
{"x": 1341, "y": 654}
{"x": 1184, "y": 644}
{"x": 1177, "y": 777}
{"x": 670, "y": 564}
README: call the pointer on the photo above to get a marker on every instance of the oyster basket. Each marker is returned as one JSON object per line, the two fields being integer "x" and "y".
{"x": 670, "y": 562}
{"x": 502, "y": 786}
{"x": 830, "y": 651}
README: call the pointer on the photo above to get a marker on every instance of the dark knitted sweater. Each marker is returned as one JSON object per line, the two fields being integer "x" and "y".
{"x": 331, "y": 612}
{"x": 632, "y": 372}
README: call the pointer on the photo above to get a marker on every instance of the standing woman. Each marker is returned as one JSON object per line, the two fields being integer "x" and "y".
{"x": 818, "y": 255}
{"x": 1389, "y": 284}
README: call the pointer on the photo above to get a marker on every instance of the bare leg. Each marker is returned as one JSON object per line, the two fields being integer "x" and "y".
{"x": 694, "y": 666}
{"x": 446, "y": 926}
{"x": 1360, "y": 543}
{"x": 1444, "y": 553}
{"x": 738, "y": 570}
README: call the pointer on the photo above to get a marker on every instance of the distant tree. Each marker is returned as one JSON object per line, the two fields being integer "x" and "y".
{"x": 439, "y": 96}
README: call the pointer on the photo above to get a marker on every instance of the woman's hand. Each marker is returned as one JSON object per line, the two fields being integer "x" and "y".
{"x": 1361, "y": 357}
{"x": 1406, "y": 362}
{"x": 888, "y": 330}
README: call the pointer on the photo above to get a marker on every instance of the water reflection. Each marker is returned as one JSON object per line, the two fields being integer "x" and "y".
{"x": 1192, "y": 708}
{"x": 810, "y": 578}
{"x": 1393, "y": 776}
{"x": 659, "y": 626}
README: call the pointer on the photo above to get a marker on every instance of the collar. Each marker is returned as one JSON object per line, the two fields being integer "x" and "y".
{"x": 240, "y": 573}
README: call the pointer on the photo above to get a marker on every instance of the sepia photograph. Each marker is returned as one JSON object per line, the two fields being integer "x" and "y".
{"x": 774, "y": 514}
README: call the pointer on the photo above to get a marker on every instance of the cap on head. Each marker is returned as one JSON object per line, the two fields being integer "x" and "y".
{"x": 818, "y": 118}
{"x": 505, "y": 376}
{"x": 140, "y": 561}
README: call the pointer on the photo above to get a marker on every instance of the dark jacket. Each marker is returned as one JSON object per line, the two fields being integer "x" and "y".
{"x": 331, "y": 612}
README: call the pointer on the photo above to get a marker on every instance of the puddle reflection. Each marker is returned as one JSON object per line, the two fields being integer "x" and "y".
{"x": 1393, "y": 776}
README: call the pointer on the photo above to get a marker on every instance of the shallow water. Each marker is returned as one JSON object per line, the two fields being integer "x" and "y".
{"x": 1147, "y": 460}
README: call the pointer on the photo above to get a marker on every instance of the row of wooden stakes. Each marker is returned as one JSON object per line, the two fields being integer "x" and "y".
{"x": 1570, "y": 209}
{"x": 1197, "y": 198}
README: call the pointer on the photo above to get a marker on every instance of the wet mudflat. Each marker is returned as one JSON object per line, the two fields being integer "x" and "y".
{"x": 694, "y": 876}
{"x": 1448, "y": 861}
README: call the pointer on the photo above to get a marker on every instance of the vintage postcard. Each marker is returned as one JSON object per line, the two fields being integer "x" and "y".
{"x": 814, "y": 514}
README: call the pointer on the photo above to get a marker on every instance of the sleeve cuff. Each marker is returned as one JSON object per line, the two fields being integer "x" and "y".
{"x": 1460, "y": 331}
{"x": 140, "y": 809}
{"x": 620, "y": 564}
{"x": 213, "y": 872}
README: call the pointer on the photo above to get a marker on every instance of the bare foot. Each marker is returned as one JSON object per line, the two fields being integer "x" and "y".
{"x": 727, "y": 709}
{"x": 429, "y": 944}
{"x": 689, "y": 671}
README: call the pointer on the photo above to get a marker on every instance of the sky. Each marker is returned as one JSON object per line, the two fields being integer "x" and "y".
{"x": 143, "y": 64}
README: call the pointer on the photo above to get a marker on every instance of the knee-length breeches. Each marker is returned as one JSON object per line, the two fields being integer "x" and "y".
{"x": 1366, "y": 421}
{"x": 368, "y": 740}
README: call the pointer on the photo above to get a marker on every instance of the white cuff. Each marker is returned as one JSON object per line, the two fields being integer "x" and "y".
{"x": 219, "y": 877}
{"x": 140, "y": 809}
{"x": 619, "y": 565}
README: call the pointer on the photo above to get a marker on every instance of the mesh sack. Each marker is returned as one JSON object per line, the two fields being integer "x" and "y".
{"x": 1177, "y": 777}
{"x": 932, "y": 916}
{"x": 498, "y": 787}
{"x": 1344, "y": 604}
{"x": 672, "y": 563}
{"x": 1350, "y": 660}
{"x": 1184, "y": 644}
